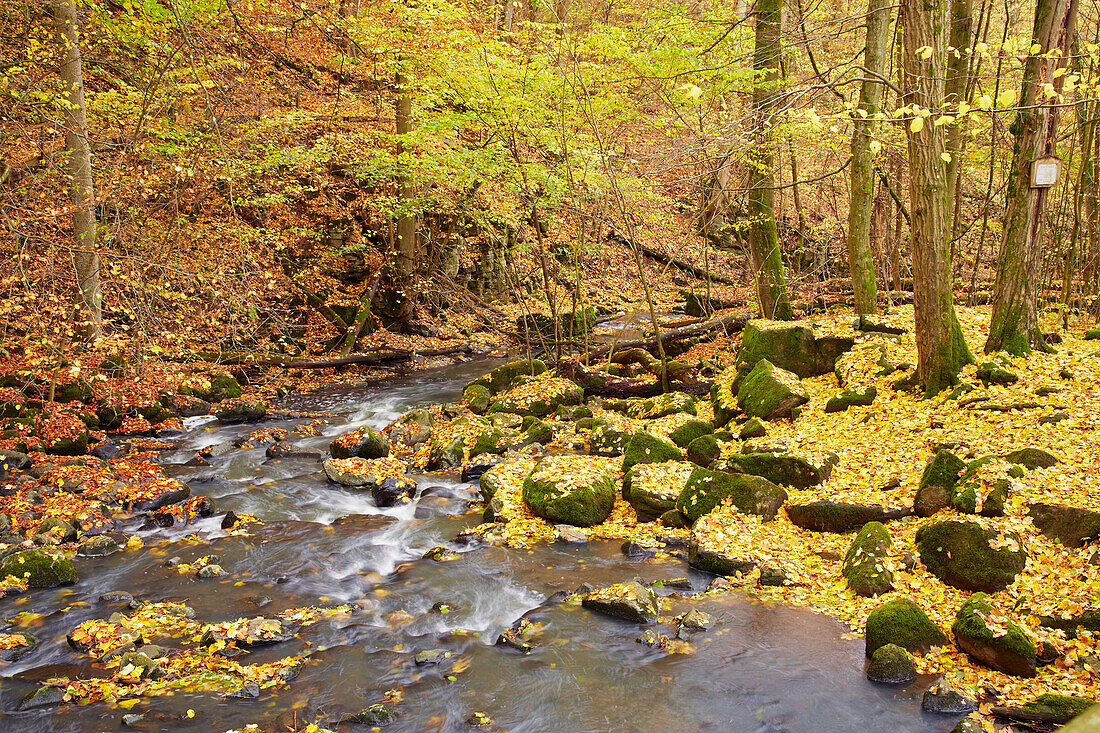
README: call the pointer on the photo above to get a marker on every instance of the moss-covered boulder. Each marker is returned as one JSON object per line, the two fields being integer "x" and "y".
{"x": 477, "y": 397}
{"x": 384, "y": 477}
{"x": 704, "y": 450}
{"x": 98, "y": 546}
{"x": 493, "y": 441}
{"x": 505, "y": 376}
{"x": 983, "y": 488}
{"x": 793, "y": 348}
{"x": 661, "y": 405}
{"x": 1088, "y": 620}
{"x": 834, "y": 516}
{"x": 629, "y": 601}
{"x": 1072, "y": 526}
{"x": 538, "y": 397}
{"x": 689, "y": 431}
{"x": 1032, "y": 458}
{"x": 41, "y": 569}
{"x": 57, "y": 528}
{"x": 1058, "y": 709}
{"x": 574, "y": 490}
{"x": 771, "y": 393}
{"x": 968, "y": 556}
{"x": 241, "y": 410}
{"x": 705, "y": 490}
{"x": 646, "y": 447}
{"x": 446, "y": 453}
{"x": 219, "y": 387}
{"x": 891, "y": 665}
{"x": 713, "y": 558}
{"x": 785, "y": 469}
{"x": 865, "y": 566}
{"x": 364, "y": 442}
{"x": 851, "y": 398}
{"x": 1009, "y": 650}
{"x": 902, "y": 622}
{"x": 608, "y": 437}
{"x": 723, "y": 396}
{"x": 412, "y": 428}
{"x": 652, "y": 488}
{"x": 991, "y": 373}
{"x": 943, "y": 699}
{"x": 937, "y": 483}
{"x": 754, "y": 428}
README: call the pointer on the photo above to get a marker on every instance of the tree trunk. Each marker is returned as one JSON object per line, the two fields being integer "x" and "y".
{"x": 74, "y": 113}
{"x": 1015, "y": 324}
{"x": 861, "y": 259}
{"x": 941, "y": 348}
{"x": 766, "y": 259}
{"x": 958, "y": 65}
{"x": 405, "y": 243}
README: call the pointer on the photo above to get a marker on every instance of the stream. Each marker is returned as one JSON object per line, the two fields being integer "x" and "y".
{"x": 761, "y": 667}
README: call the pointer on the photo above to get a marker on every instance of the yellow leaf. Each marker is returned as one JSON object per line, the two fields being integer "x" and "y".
{"x": 917, "y": 124}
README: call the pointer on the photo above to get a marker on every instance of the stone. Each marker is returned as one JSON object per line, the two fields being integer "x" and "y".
{"x": 209, "y": 572}
{"x": 474, "y": 469}
{"x": 944, "y": 699}
{"x": 652, "y": 488}
{"x": 563, "y": 490}
{"x": 142, "y": 666}
{"x": 1058, "y": 709}
{"x": 258, "y": 632}
{"x": 13, "y": 461}
{"x": 384, "y": 477}
{"x": 505, "y": 376}
{"x": 447, "y": 455}
{"x": 691, "y": 430}
{"x": 784, "y": 469}
{"x": 1092, "y": 334}
{"x": 41, "y": 568}
{"x": 960, "y": 554}
{"x": 1032, "y": 458}
{"x": 1088, "y": 620}
{"x": 793, "y": 348}
{"x": 630, "y": 601}
{"x": 838, "y": 517}
{"x": 607, "y": 439}
{"x": 705, "y": 490}
{"x": 375, "y": 715}
{"x": 901, "y": 621}
{"x": 42, "y": 696}
{"x": 241, "y": 410}
{"x": 668, "y": 403}
{"x": 364, "y": 442}
{"x": 872, "y": 324}
{"x": 991, "y": 373}
{"x": 891, "y": 665}
{"x": 99, "y": 546}
{"x": 441, "y": 554}
{"x": 717, "y": 560}
{"x": 851, "y": 398}
{"x": 771, "y": 393}
{"x": 648, "y": 448}
{"x": 477, "y": 397}
{"x": 695, "y": 620}
{"x": 865, "y": 566}
{"x": 57, "y": 528}
{"x": 1009, "y": 650}
{"x": 704, "y": 450}
{"x": 569, "y": 535}
{"x": 937, "y": 483}
{"x": 432, "y": 657}
{"x": 754, "y": 428}
{"x": 538, "y": 397}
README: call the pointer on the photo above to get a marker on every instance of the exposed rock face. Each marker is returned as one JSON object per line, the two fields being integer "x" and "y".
{"x": 962, "y": 555}
{"x": 1011, "y": 652}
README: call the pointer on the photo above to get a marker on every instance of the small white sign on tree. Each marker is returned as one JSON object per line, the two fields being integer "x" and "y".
{"x": 1044, "y": 171}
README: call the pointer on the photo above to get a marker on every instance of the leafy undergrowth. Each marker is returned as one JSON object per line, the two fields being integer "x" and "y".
{"x": 883, "y": 449}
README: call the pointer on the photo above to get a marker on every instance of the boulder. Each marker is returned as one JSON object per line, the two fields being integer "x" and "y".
{"x": 1088, "y": 620}
{"x": 646, "y": 447}
{"x": 723, "y": 396}
{"x": 1032, "y": 458}
{"x": 1058, "y": 709}
{"x": 538, "y": 397}
{"x": 57, "y": 528}
{"x": 412, "y": 428}
{"x": 902, "y": 622}
{"x": 40, "y": 568}
{"x": 447, "y": 454}
{"x": 990, "y": 373}
{"x": 652, "y": 488}
{"x": 944, "y": 699}
{"x": 477, "y": 397}
{"x": 833, "y": 516}
{"x": 865, "y": 565}
{"x": 475, "y": 468}
{"x": 962, "y": 554}
{"x": 607, "y": 438}
{"x": 851, "y": 398}
{"x": 384, "y": 477}
{"x": 754, "y": 428}
{"x": 1070, "y": 525}
{"x": 505, "y": 376}
{"x": 771, "y": 393}
{"x": 13, "y": 461}
{"x": 793, "y": 348}
{"x": 785, "y": 469}
{"x": 240, "y": 410}
{"x": 1009, "y": 650}
{"x": 364, "y": 442}
{"x": 99, "y": 546}
{"x": 891, "y": 665}
{"x": 572, "y": 490}
{"x": 704, "y": 450}
{"x": 690, "y": 431}
{"x": 717, "y": 560}
{"x": 705, "y": 490}
{"x": 661, "y": 405}
{"x": 937, "y": 483}
{"x": 629, "y": 601}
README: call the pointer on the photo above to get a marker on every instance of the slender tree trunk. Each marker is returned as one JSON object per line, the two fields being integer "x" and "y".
{"x": 1015, "y": 323}
{"x": 941, "y": 348}
{"x": 958, "y": 65}
{"x": 74, "y": 113}
{"x": 861, "y": 260}
{"x": 406, "y": 220}
{"x": 767, "y": 260}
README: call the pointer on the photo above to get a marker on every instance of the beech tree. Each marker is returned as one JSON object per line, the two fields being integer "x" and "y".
{"x": 941, "y": 348}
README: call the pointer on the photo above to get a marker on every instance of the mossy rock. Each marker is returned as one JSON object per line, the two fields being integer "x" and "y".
{"x": 1058, "y": 709}
{"x": 689, "y": 431}
{"x": 384, "y": 477}
{"x": 661, "y": 405}
{"x": 891, "y": 665}
{"x": 237, "y": 410}
{"x": 716, "y": 560}
{"x": 492, "y": 481}
{"x": 491, "y": 440}
{"x": 629, "y": 601}
{"x": 652, "y": 488}
{"x": 704, "y": 450}
{"x": 865, "y": 566}
{"x": 536, "y": 432}
{"x": 505, "y": 376}
{"x": 40, "y": 568}
{"x": 99, "y": 546}
{"x": 445, "y": 455}
{"x": 646, "y": 447}
{"x": 57, "y": 528}
{"x": 364, "y": 442}
{"x": 902, "y": 622}
{"x": 412, "y": 428}
{"x": 771, "y": 393}
{"x": 705, "y": 490}
{"x": 1088, "y": 620}
{"x": 1092, "y": 334}
{"x": 785, "y": 469}
{"x": 723, "y": 396}
{"x": 937, "y": 483}
{"x": 570, "y": 490}
{"x": 833, "y": 516}
{"x": 222, "y": 387}
{"x": 851, "y": 398}
{"x": 1011, "y": 652}
{"x": 477, "y": 398}
{"x": 754, "y": 428}
{"x": 1070, "y": 525}
{"x": 959, "y": 554}
{"x": 991, "y": 373}
{"x": 607, "y": 439}
{"x": 539, "y": 397}
{"x": 793, "y": 348}
{"x": 1032, "y": 458}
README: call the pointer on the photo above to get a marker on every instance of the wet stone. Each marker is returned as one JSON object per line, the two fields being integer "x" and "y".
{"x": 432, "y": 657}
{"x": 944, "y": 699}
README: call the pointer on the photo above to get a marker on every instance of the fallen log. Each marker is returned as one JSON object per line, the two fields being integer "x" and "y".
{"x": 728, "y": 324}
{"x": 699, "y": 272}
{"x": 379, "y": 358}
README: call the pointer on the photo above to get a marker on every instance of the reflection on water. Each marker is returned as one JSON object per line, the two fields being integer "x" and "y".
{"x": 761, "y": 668}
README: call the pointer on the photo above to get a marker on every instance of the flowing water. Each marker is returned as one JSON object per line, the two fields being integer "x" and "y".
{"x": 760, "y": 668}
